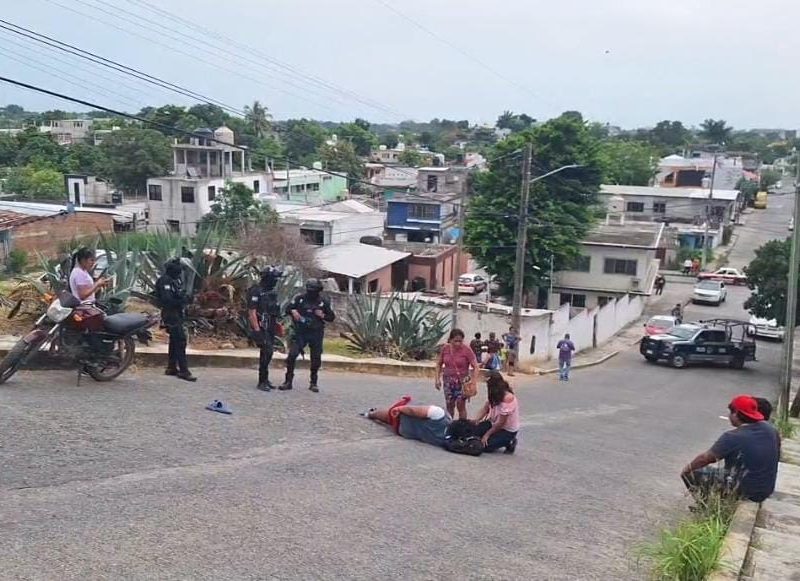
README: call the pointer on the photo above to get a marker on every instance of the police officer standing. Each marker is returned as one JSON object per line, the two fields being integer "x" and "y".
{"x": 173, "y": 300}
{"x": 263, "y": 311}
{"x": 309, "y": 311}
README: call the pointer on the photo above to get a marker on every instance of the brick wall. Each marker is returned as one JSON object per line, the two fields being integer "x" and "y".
{"x": 47, "y": 234}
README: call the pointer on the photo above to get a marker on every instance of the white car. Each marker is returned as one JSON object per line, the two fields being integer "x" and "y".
{"x": 766, "y": 328}
{"x": 472, "y": 284}
{"x": 709, "y": 291}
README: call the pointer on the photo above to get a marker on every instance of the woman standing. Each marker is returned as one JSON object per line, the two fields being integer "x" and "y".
{"x": 456, "y": 366}
{"x": 498, "y": 420}
{"x": 81, "y": 283}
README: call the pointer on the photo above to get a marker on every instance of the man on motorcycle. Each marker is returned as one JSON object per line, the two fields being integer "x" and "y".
{"x": 173, "y": 300}
{"x": 309, "y": 311}
{"x": 263, "y": 311}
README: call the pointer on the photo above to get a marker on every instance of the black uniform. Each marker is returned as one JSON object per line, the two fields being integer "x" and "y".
{"x": 173, "y": 300}
{"x": 309, "y": 331}
{"x": 264, "y": 301}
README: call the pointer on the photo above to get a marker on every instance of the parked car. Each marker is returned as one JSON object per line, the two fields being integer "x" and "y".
{"x": 709, "y": 291}
{"x": 472, "y": 284}
{"x": 723, "y": 341}
{"x": 766, "y": 329}
{"x": 659, "y": 325}
{"x": 727, "y": 275}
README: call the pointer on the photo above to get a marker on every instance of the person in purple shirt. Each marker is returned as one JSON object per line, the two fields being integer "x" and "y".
{"x": 565, "y": 349}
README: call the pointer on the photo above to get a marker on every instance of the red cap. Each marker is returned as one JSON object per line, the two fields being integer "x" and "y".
{"x": 747, "y": 406}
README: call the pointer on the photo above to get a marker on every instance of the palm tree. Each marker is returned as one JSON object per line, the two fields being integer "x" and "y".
{"x": 258, "y": 118}
{"x": 715, "y": 131}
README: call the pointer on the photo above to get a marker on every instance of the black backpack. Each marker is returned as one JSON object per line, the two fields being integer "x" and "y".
{"x": 461, "y": 438}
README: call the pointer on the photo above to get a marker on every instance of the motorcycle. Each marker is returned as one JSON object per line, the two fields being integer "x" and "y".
{"x": 103, "y": 345}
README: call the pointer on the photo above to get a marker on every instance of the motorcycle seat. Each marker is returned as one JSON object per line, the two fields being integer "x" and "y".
{"x": 123, "y": 323}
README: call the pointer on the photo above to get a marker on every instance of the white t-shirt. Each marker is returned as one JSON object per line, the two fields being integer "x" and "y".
{"x": 79, "y": 277}
{"x": 435, "y": 412}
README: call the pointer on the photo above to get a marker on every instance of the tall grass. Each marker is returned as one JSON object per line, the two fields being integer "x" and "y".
{"x": 690, "y": 551}
{"x": 785, "y": 427}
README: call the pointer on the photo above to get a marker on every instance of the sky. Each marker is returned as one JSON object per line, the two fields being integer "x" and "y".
{"x": 630, "y": 63}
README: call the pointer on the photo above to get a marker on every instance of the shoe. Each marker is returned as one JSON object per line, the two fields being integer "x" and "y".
{"x": 285, "y": 386}
{"x": 511, "y": 446}
{"x": 367, "y": 414}
{"x": 186, "y": 376}
{"x": 171, "y": 371}
{"x": 265, "y": 386}
{"x": 313, "y": 387}
{"x": 218, "y": 406}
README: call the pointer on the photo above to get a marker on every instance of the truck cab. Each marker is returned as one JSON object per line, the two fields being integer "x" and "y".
{"x": 718, "y": 341}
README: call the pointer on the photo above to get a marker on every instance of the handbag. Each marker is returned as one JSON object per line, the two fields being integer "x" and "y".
{"x": 469, "y": 384}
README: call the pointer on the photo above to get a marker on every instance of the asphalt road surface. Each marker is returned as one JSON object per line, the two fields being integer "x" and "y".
{"x": 135, "y": 480}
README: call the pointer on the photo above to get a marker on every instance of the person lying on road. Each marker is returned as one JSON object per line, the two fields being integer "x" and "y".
{"x": 426, "y": 423}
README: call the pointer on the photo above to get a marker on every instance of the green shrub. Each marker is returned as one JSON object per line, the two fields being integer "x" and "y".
{"x": 17, "y": 261}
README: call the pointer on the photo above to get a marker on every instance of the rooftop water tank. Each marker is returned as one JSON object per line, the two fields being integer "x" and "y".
{"x": 224, "y": 134}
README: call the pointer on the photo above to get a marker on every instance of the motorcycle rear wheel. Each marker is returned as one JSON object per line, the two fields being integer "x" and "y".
{"x": 125, "y": 351}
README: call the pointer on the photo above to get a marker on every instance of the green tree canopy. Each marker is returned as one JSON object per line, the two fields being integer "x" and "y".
{"x": 131, "y": 155}
{"x": 514, "y": 122}
{"x": 32, "y": 183}
{"x": 257, "y": 119}
{"x": 361, "y": 137}
{"x": 236, "y": 209}
{"x": 715, "y": 131}
{"x": 767, "y": 277}
{"x": 562, "y": 207}
{"x": 302, "y": 139}
{"x": 411, "y": 158}
{"x": 630, "y": 163}
{"x": 342, "y": 158}
{"x": 670, "y": 135}
{"x": 39, "y": 149}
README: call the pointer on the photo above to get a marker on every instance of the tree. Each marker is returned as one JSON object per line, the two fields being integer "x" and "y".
{"x": 748, "y": 188}
{"x": 562, "y": 207}
{"x": 411, "y": 158}
{"x": 342, "y": 158}
{"x": 236, "y": 210}
{"x": 39, "y": 149}
{"x": 303, "y": 139}
{"x": 514, "y": 122}
{"x": 715, "y": 131}
{"x": 169, "y": 115}
{"x": 278, "y": 245}
{"x": 208, "y": 115}
{"x": 83, "y": 158}
{"x": 627, "y": 162}
{"x": 769, "y": 177}
{"x": 390, "y": 140}
{"x": 258, "y": 119}
{"x": 767, "y": 276}
{"x": 670, "y": 134}
{"x": 363, "y": 140}
{"x": 132, "y": 155}
{"x": 32, "y": 183}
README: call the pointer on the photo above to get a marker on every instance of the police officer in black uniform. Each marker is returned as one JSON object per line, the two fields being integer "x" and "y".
{"x": 309, "y": 312}
{"x": 173, "y": 300}
{"x": 263, "y": 311}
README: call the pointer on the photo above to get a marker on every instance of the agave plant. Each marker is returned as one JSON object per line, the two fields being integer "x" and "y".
{"x": 365, "y": 323}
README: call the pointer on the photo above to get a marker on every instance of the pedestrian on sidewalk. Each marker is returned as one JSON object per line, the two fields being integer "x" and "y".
{"x": 687, "y": 266}
{"x": 659, "y": 284}
{"x": 565, "y": 350}
{"x": 263, "y": 311}
{"x": 477, "y": 346}
{"x": 677, "y": 312}
{"x": 309, "y": 311}
{"x": 173, "y": 300}
{"x": 511, "y": 340}
{"x": 456, "y": 366}
{"x": 751, "y": 452}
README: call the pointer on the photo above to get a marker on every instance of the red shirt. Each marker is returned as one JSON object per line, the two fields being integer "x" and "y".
{"x": 457, "y": 360}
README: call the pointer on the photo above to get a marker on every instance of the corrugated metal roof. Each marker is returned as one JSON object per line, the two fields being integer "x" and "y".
{"x": 10, "y": 220}
{"x": 356, "y": 260}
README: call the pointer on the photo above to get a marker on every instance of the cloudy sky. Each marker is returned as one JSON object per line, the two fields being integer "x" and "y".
{"x": 626, "y": 62}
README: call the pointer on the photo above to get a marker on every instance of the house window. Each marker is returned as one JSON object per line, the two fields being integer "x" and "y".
{"x": 372, "y": 287}
{"x": 575, "y": 300}
{"x": 315, "y": 237}
{"x": 212, "y": 193}
{"x": 423, "y": 211}
{"x": 433, "y": 184}
{"x": 659, "y": 207}
{"x": 187, "y": 194}
{"x": 670, "y": 179}
{"x": 583, "y": 264}
{"x": 603, "y": 301}
{"x": 256, "y": 186}
{"x": 634, "y": 207}
{"x": 314, "y": 187}
{"x": 620, "y": 266}
{"x": 174, "y": 226}
{"x": 154, "y": 192}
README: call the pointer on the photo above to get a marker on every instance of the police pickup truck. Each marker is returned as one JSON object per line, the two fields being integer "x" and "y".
{"x": 724, "y": 341}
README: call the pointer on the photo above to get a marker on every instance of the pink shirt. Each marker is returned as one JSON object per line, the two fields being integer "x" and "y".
{"x": 457, "y": 360}
{"x": 510, "y": 409}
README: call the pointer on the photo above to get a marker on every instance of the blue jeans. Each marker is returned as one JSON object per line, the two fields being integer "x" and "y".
{"x": 498, "y": 440}
{"x": 563, "y": 369}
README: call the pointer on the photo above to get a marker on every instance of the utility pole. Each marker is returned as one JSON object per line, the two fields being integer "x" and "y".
{"x": 704, "y": 256}
{"x": 457, "y": 265}
{"x": 522, "y": 236}
{"x": 791, "y": 312}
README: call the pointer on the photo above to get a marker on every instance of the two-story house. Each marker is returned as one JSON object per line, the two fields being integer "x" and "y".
{"x": 309, "y": 186}
{"x": 675, "y": 171}
{"x": 67, "y": 131}
{"x": 337, "y": 223}
{"x": 616, "y": 259}
{"x": 421, "y": 217}
{"x": 202, "y": 167}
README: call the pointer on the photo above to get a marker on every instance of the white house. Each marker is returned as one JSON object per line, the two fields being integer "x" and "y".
{"x": 67, "y": 131}
{"x": 616, "y": 259}
{"x": 391, "y": 177}
{"x": 201, "y": 169}
{"x": 342, "y": 222}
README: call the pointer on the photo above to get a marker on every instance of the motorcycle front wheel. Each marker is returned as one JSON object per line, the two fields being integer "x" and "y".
{"x": 116, "y": 363}
{"x": 14, "y": 359}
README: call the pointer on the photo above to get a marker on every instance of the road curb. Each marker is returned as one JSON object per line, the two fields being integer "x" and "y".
{"x": 737, "y": 542}
{"x": 582, "y": 365}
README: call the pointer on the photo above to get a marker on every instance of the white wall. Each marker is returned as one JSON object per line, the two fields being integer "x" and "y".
{"x": 354, "y": 226}
{"x": 598, "y": 280}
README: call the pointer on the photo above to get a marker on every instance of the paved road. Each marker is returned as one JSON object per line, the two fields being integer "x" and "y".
{"x": 134, "y": 480}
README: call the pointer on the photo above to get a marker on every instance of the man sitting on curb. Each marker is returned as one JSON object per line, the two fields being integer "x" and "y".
{"x": 751, "y": 452}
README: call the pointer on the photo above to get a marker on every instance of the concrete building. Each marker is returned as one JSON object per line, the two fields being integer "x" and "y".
{"x": 343, "y": 222}
{"x": 675, "y": 171}
{"x": 431, "y": 267}
{"x": 428, "y": 218}
{"x": 83, "y": 190}
{"x": 392, "y": 177}
{"x": 452, "y": 180}
{"x": 202, "y": 167}
{"x": 67, "y": 131}
{"x": 363, "y": 268}
{"x": 616, "y": 260}
{"x": 309, "y": 186}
